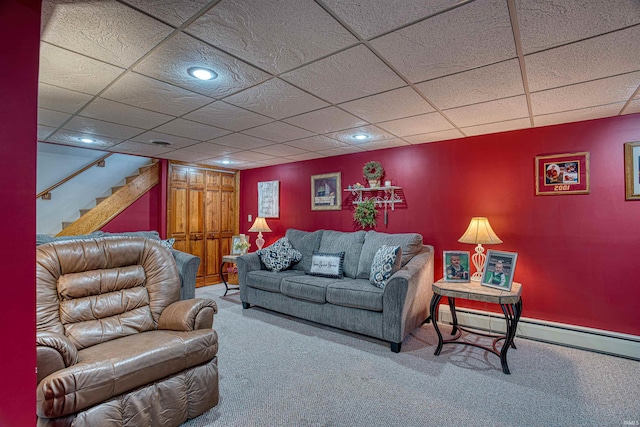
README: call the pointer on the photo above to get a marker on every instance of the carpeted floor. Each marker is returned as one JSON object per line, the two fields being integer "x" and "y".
{"x": 276, "y": 370}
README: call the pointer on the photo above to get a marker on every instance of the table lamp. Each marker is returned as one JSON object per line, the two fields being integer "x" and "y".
{"x": 259, "y": 226}
{"x": 479, "y": 232}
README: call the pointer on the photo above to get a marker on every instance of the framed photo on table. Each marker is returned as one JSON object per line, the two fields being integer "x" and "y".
{"x": 455, "y": 266}
{"x": 562, "y": 174}
{"x": 499, "y": 269}
{"x": 326, "y": 192}
{"x": 632, "y": 170}
{"x": 237, "y": 249}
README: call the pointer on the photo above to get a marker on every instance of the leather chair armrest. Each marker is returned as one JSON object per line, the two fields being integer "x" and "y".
{"x": 188, "y": 315}
{"x": 188, "y": 269}
{"x": 53, "y": 352}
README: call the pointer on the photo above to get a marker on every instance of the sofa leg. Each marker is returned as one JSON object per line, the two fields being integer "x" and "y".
{"x": 245, "y": 305}
{"x": 395, "y": 347}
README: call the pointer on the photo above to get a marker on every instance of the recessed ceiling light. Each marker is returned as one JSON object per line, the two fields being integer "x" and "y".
{"x": 360, "y": 136}
{"x": 87, "y": 140}
{"x": 202, "y": 73}
{"x": 226, "y": 162}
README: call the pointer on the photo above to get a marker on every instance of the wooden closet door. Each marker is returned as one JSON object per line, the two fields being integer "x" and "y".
{"x": 212, "y": 226}
{"x": 179, "y": 208}
{"x": 196, "y": 217}
{"x": 228, "y": 213}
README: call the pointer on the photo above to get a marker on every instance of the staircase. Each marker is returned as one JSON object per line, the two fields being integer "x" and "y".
{"x": 109, "y": 207}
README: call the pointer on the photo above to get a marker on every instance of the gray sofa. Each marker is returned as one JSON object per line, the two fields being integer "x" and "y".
{"x": 187, "y": 264}
{"x": 352, "y": 302}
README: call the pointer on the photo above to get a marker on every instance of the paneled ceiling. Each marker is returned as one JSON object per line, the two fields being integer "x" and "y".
{"x": 299, "y": 79}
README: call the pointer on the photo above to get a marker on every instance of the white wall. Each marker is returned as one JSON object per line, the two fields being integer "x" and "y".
{"x": 56, "y": 162}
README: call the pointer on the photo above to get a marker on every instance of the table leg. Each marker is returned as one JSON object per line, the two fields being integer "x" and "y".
{"x": 226, "y": 285}
{"x": 452, "y": 307}
{"x": 433, "y": 309}
{"x": 512, "y": 315}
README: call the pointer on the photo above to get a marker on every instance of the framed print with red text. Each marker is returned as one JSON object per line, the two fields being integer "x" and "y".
{"x": 562, "y": 174}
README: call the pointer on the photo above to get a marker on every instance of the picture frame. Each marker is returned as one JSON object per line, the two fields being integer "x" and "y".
{"x": 505, "y": 263}
{"x": 632, "y": 170}
{"x": 238, "y": 239}
{"x": 456, "y": 266}
{"x": 326, "y": 192}
{"x": 562, "y": 174}
{"x": 269, "y": 199}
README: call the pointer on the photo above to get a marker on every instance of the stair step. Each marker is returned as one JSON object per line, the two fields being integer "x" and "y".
{"x": 65, "y": 224}
{"x": 84, "y": 211}
{"x": 114, "y": 189}
{"x": 101, "y": 199}
{"x": 130, "y": 178}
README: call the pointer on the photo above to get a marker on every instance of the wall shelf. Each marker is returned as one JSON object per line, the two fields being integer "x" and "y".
{"x": 383, "y": 196}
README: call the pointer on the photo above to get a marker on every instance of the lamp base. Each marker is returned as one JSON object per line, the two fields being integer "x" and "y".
{"x": 259, "y": 241}
{"x": 478, "y": 261}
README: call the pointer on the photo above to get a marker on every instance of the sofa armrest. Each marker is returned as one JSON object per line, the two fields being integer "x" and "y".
{"x": 407, "y": 296}
{"x": 188, "y": 315}
{"x": 188, "y": 269}
{"x": 245, "y": 264}
{"x": 53, "y": 352}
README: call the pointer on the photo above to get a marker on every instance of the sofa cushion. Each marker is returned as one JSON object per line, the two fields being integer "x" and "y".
{"x": 349, "y": 243}
{"x": 306, "y": 242}
{"x": 268, "y": 280}
{"x": 309, "y": 288}
{"x": 279, "y": 255}
{"x": 385, "y": 263}
{"x": 327, "y": 265}
{"x": 410, "y": 243}
{"x": 357, "y": 293}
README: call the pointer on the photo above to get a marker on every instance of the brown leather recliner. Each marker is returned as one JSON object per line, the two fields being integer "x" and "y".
{"x": 115, "y": 345}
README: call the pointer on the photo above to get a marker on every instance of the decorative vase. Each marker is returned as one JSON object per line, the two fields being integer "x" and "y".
{"x": 374, "y": 183}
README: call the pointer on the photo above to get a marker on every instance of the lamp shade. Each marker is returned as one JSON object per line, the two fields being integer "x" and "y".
{"x": 260, "y": 225}
{"x": 479, "y": 231}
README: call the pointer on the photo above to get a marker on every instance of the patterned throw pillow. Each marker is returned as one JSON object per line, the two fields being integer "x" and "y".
{"x": 279, "y": 255}
{"x": 385, "y": 262}
{"x": 327, "y": 265}
{"x": 168, "y": 243}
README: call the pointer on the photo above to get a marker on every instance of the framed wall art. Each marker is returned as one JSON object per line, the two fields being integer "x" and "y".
{"x": 326, "y": 192}
{"x": 456, "y": 266}
{"x": 269, "y": 199}
{"x": 562, "y": 174}
{"x": 499, "y": 269}
{"x": 632, "y": 170}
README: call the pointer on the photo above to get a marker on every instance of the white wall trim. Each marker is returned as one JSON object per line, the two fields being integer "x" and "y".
{"x": 597, "y": 340}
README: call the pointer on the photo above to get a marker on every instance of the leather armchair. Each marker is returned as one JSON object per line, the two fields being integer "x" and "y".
{"x": 115, "y": 344}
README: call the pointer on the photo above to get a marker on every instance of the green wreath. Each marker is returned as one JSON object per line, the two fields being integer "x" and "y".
{"x": 373, "y": 170}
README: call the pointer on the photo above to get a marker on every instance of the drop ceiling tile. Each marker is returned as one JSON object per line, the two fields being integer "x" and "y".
{"x": 171, "y": 61}
{"x": 59, "y": 99}
{"x": 243, "y": 142}
{"x": 498, "y": 127}
{"x": 545, "y": 24}
{"x": 103, "y": 29}
{"x": 278, "y": 132}
{"x": 316, "y": 143}
{"x": 390, "y": 105}
{"x": 175, "y": 141}
{"x": 489, "y": 112}
{"x": 251, "y": 156}
{"x": 347, "y": 75}
{"x": 348, "y": 149}
{"x": 373, "y": 133}
{"x": 603, "y": 56}
{"x": 212, "y": 149}
{"x": 174, "y": 12}
{"x": 191, "y": 129}
{"x": 423, "y": 123}
{"x": 144, "y": 92}
{"x": 116, "y": 112}
{"x": 470, "y": 36}
{"x": 280, "y": 150}
{"x": 328, "y": 119}
{"x": 633, "y": 107}
{"x": 44, "y": 132}
{"x": 99, "y": 127}
{"x": 306, "y": 156}
{"x": 271, "y": 162}
{"x": 434, "y": 136}
{"x": 483, "y": 84}
{"x": 275, "y": 36}
{"x": 227, "y": 116}
{"x": 225, "y": 162}
{"x": 385, "y": 143}
{"x": 137, "y": 148}
{"x": 582, "y": 95}
{"x": 578, "y": 115}
{"x": 277, "y": 99}
{"x": 372, "y": 17}
{"x": 69, "y": 70}
{"x": 70, "y": 137}
{"x": 51, "y": 118}
{"x": 185, "y": 156}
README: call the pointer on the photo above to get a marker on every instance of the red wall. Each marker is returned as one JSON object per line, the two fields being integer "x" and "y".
{"x": 577, "y": 254}
{"x": 20, "y": 35}
{"x": 142, "y": 215}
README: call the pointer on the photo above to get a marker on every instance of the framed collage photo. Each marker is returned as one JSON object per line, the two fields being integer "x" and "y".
{"x": 632, "y": 170}
{"x": 562, "y": 174}
{"x": 456, "y": 266}
{"x": 499, "y": 269}
{"x": 326, "y": 192}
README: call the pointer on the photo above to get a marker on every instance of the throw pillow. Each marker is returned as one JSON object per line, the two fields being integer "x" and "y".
{"x": 279, "y": 255}
{"x": 386, "y": 261}
{"x": 327, "y": 265}
{"x": 168, "y": 243}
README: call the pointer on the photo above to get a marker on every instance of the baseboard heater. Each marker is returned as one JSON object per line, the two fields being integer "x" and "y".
{"x": 597, "y": 340}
